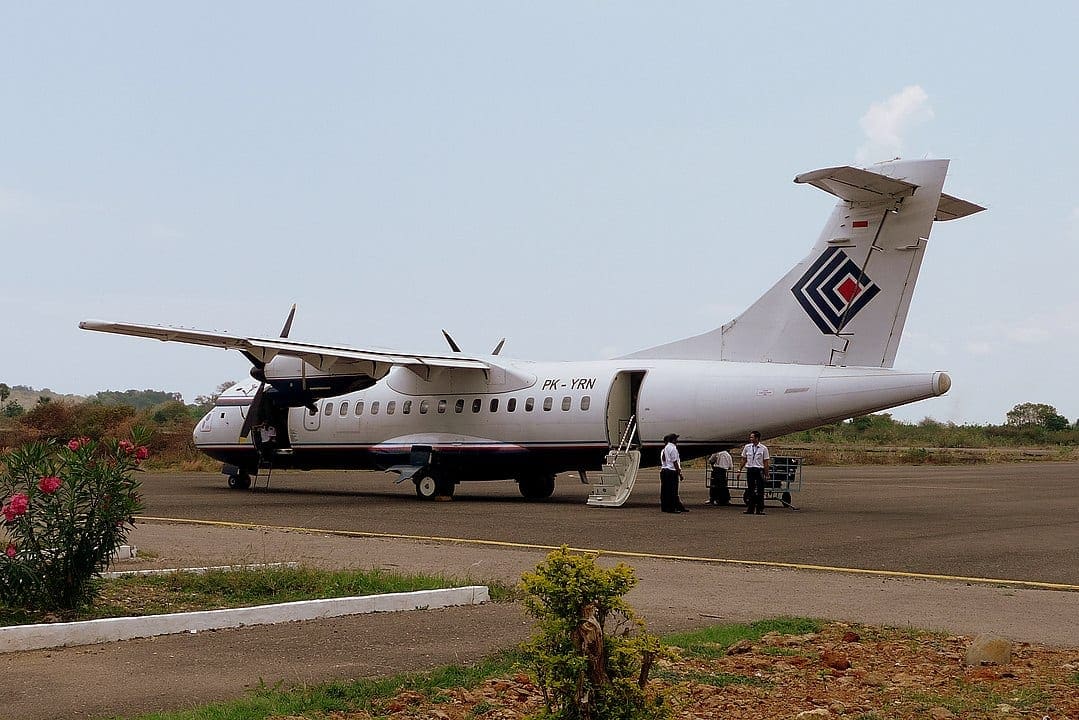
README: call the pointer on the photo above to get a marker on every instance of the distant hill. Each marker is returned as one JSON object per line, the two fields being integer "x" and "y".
{"x": 28, "y": 396}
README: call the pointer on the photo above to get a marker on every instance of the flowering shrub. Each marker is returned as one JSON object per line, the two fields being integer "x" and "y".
{"x": 66, "y": 508}
{"x": 587, "y": 669}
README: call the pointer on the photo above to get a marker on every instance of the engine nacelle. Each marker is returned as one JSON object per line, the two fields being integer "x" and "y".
{"x": 295, "y": 383}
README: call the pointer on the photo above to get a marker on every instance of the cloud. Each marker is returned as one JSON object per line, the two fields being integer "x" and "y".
{"x": 885, "y": 123}
{"x": 13, "y": 202}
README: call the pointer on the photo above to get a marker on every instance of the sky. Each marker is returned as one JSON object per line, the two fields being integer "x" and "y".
{"x": 585, "y": 179}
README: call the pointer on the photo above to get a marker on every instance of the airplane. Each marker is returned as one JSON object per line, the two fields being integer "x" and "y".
{"x": 818, "y": 347}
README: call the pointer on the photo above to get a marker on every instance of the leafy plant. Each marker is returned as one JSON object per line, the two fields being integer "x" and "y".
{"x": 585, "y": 669}
{"x": 66, "y": 510}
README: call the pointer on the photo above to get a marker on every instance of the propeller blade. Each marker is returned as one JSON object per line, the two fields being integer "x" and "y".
{"x": 453, "y": 345}
{"x": 288, "y": 322}
{"x": 254, "y": 412}
{"x": 498, "y": 347}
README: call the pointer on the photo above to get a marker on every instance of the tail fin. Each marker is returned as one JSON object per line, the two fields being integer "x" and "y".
{"x": 847, "y": 301}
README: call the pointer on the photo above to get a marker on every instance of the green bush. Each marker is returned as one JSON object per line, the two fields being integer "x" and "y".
{"x": 66, "y": 510}
{"x": 586, "y": 669}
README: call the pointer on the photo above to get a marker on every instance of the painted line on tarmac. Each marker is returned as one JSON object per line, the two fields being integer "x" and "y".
{"x": 626, "y": 553}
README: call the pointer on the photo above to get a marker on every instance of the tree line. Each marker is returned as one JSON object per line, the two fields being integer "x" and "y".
{"x": 114, "y": 413}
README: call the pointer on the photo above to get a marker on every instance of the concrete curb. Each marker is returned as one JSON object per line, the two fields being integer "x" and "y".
{"x": 88, "y": 632}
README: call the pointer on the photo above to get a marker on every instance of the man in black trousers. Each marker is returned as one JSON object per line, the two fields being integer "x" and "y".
{"x": 755, "y": 457}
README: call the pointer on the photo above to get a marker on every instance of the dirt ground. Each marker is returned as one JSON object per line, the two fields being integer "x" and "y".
{"x": 841, "y": 671}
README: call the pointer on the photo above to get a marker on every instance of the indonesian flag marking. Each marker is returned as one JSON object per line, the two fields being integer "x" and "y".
{"x": 860, "y": 224}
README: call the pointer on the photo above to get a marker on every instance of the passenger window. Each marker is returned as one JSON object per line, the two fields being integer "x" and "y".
{"x": 494, "y": 404}
{"x": 406, "y": 407}
{"x": 567, "y": 402}
{"x": 391, "y": 406}
{"x": 530, "y": 403}
{"x": 476, "y": 405}
{"x": 359, "y": 408}
{"x": 548, "y": 403}
{"x": 424, "y": 406}
{"x": 511, "y": 405}
{"x": 459, "y": 405}
{"x": 328, "y": 410}
{"x": 585, "y": 402}
{"x": 442, "y": 406}
{"x": 344, "y": 409}
{"x": 374, "y": 408}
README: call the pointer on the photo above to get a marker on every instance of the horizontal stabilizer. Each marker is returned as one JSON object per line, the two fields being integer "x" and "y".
{"x": 854, "y": 185}
{"x": 952, "y": 208}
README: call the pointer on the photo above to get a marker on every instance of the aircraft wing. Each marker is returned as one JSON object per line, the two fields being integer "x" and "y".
{"x": 263, "y": 350}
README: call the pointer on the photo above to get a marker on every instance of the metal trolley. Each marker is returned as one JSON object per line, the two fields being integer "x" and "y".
{"x": 784, "y": 478}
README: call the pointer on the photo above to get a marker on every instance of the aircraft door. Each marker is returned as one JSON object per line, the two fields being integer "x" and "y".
{"x": 622, "y": 405}
{"x": 312, "y": 420}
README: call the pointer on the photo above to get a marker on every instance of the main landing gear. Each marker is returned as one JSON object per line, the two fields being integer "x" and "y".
{"x": 429, "y": 487}
{"x": 536, "y": 487}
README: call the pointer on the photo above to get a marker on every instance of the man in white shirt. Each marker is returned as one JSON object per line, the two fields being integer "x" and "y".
{"x": 670, "y": 472}
{"x": 721, "y": 462}
{"x": 755, "y": 456}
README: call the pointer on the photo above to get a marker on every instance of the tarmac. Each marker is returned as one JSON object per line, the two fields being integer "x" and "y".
{"x": 964, "y": 550}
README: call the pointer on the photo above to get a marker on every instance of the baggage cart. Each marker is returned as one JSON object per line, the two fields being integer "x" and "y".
{"x": 784, "y": 478}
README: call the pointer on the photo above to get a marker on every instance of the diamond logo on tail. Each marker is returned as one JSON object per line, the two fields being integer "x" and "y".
{"x": 833, "y": 291}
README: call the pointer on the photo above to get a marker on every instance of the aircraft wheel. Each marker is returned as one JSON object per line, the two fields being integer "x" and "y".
{"x": 536, "y": 487}
{"x": 445, "y": 488}
{"x": 239, "y": 481}
{"x": 426, "y": 488}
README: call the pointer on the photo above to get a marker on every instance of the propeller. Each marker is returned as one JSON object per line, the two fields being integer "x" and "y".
{"x": 256, "y": 409}
{"x": 456, "y": 348}
{"x": 453, "y": 346}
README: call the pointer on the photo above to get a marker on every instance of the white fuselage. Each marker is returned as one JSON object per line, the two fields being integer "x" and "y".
{"x": 564, "y": 415}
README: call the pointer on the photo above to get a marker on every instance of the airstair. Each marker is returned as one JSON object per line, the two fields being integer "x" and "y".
{"x": 619, "y": 472}
{"x": 265, "y": 465}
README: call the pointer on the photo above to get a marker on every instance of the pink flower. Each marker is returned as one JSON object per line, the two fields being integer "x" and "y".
{"x": 126, "y": 446}
{"x": 73, "y": 445}
{"x": 16, "y": 505}
{"x": 142, "y": 452}
{"x": 10, "y": 551}
{"x": 49, "y": 485}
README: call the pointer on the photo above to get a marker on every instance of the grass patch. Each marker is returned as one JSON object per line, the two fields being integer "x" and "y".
{"x": 355, "y": 696}
{"x": 713, "y": 642}
{"x": 970, "y": 697}
{"x": 187, "y": 591}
